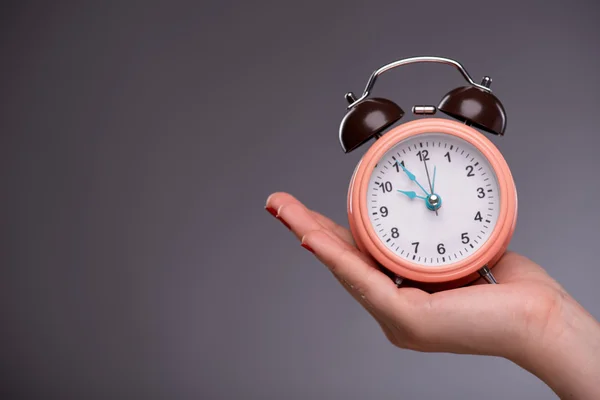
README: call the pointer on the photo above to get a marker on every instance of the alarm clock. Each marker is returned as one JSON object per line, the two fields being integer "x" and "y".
{"x": 432, "y": 200}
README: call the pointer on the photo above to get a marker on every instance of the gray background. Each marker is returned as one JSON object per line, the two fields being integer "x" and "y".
{"x": 140, "y": 140}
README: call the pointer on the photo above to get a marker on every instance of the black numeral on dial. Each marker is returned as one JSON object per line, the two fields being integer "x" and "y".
{"x": 416, "y": 244}
{"x": 470, "y": 170}
{"x": 480, "y": 193}
{"x": 441, "y": 249}
{"x": 465, "y": 238}
{"x": 447, "y": 155}
{"x": 478, "y": 216}
{"x": 398, "y": 168}
{"x": 384, "y": 211}
{"x": 423, "y": 155}
{"x": 386, "y": 186}
{"x": 395, "y": 233}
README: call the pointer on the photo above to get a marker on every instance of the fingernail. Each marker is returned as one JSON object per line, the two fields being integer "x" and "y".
{"x": 307, "y": 247}
{"x": 283, "y": 222}
{"x": 271, "y": 211}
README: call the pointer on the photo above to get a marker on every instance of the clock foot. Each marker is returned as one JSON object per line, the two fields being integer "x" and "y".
{"x": 398, "y": 280}
{"x": 486, "y": 274}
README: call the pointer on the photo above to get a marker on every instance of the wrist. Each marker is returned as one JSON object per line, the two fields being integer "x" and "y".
{"x": 565, "y": 352}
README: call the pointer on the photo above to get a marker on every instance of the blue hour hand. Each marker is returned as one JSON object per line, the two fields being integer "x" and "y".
{"x": 411, "y": 194}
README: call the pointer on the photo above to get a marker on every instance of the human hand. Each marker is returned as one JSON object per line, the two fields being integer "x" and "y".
{"x": 528, "y": 318}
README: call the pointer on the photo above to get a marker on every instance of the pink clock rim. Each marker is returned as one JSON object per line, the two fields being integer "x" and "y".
{"x": 367, "y": 237}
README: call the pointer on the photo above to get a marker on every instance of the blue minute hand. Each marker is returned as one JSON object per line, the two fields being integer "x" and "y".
{"x": 412, "y": 177}
{"x": 412, "y": 194}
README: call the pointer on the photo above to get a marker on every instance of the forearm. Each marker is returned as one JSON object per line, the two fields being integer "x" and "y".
{"x": 567, "y": 357}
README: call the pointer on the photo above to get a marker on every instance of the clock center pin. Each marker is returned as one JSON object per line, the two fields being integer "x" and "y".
{"x": 433, "y": 202}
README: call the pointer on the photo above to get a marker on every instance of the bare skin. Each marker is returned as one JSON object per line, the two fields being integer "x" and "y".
{"x": 528, "y": 318}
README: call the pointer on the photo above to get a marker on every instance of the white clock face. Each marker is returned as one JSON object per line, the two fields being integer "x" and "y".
{"x": 433, "y": 199}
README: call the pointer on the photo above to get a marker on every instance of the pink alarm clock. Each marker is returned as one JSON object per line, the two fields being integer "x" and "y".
{"x": 432, "y": 200}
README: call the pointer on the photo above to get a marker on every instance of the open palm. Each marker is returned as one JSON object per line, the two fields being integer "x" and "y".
{"x": 498, "y": 320}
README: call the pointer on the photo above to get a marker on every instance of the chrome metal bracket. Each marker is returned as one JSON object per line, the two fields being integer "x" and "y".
{"x": 414, "y": 60}
{"x": 486, "y": 274}
{"x": 398, "y": 280}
